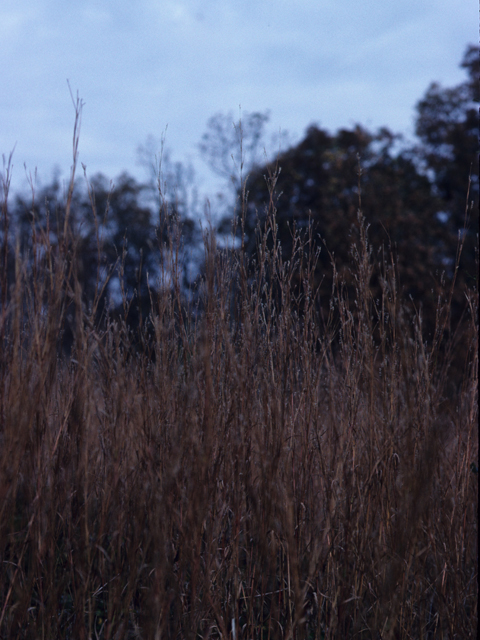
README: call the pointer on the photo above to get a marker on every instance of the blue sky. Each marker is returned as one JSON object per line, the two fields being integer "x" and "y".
{"x": 142, "y": 66}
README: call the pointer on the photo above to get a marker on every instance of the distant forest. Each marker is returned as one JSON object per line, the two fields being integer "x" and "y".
{"x": 418, "y": 202}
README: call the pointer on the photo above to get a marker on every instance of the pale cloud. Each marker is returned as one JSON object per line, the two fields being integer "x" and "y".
{"x": 140, "y": 66}
{"x": 12, "y": 22}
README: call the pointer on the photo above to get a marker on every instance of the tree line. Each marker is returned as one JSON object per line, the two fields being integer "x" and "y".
{"x": 418, "y": 201}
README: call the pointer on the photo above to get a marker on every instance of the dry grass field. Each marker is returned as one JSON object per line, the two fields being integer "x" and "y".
{"x": 243, "y": 465}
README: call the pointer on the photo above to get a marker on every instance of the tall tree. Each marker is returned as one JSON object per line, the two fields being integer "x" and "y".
{"x": 319, "y": 182}
{"x": 230, "y": 147}
{"x": 412, "y": 198}
{"x": 447, "y": 126}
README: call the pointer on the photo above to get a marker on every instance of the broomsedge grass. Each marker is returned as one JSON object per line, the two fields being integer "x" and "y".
{"x": 242, "y": 466}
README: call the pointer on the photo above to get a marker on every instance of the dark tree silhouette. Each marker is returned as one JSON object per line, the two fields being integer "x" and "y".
{"x": 230, "y": 147}
{"x": 447, "y": 126}
{"x": 413, "y": 199}
{"x": 318, "y": 182}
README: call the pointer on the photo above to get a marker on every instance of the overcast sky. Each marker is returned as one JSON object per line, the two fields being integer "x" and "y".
{"x": 140, "y": 66}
